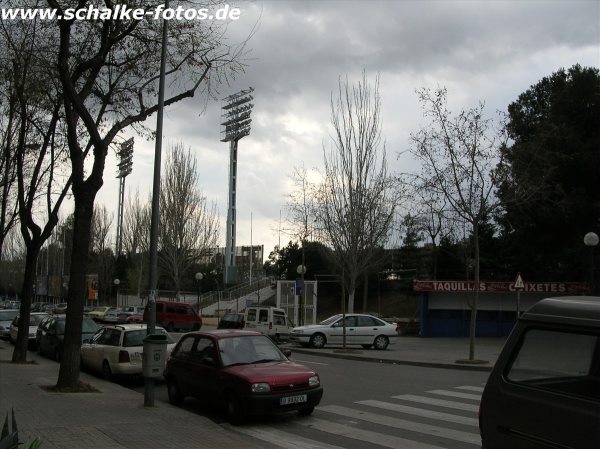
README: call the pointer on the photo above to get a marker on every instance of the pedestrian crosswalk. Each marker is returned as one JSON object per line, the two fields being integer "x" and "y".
{"x": 433, "y": 419}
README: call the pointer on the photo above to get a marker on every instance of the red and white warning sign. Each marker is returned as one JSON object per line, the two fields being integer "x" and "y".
{"x": 519, "y": 281}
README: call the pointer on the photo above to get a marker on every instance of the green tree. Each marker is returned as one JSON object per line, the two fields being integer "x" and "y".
{"x": 554, "y": 157}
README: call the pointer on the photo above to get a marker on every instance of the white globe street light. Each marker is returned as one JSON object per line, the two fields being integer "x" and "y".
{"x": 301, "y": 270}
{"x": 117, "y": 282}
{"x": 199, "y": 276}
{"x": 591, "y": 241}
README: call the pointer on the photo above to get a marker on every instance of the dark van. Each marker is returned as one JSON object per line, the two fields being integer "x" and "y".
{"x": 544, "y": 390}
{"x": 175, "y": 316}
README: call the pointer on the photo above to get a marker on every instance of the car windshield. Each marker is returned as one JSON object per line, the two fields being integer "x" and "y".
{"x": 88, "y": 326}
{"x": 8, "y": 315}
{"x": 34, "y": 320}
{"x": 248, "y": 349}
{"x": 136, "y": 337}
{"x": 100, "y": 309}
{"x": 330, "y": 320}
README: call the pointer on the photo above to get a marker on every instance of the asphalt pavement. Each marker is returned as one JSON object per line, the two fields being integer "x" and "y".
{"x": 115, "y": 417}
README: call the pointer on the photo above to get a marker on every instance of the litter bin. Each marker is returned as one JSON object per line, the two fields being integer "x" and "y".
{"x": 155, "y": 355}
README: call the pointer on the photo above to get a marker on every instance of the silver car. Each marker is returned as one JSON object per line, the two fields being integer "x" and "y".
{"x": 6, "y": 317}
{"x": 34, "y": 320}
{"x": 361, "y": 329}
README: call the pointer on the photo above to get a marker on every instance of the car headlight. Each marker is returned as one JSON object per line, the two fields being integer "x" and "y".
{"x": 260, "y": 388}
{"x": 313, "y": 381}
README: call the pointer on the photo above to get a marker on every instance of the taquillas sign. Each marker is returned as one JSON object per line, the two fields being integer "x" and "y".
{"x": 499, "y": 287}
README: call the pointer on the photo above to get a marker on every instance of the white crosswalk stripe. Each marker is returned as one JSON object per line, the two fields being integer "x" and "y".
{"x": 365, "y": 435}
{"x": 414, "y": 427}
{"x": 282, "y": 439}
{"x": 440, "y": 416}
{"x": 458, "y": 435}
{"x": 438, "y": 402}
{"x": 456, "y": 394}
{"x": 470, "y": 388}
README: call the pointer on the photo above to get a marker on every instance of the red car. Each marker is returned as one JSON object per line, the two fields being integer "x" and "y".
{"x": 241, "y": 370}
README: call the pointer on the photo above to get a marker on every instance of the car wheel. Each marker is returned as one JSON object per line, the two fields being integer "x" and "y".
{"x": 306, "y": 411}
{"x": 366, "y": 346}
{"x": 317, "y": 341}
{"x": 175, "y": 395}
{"x": 234, "y": 410}
{"x": 381, "y": 342}
{"x": 170, "y": 327}
{"x": 106, "y": 371}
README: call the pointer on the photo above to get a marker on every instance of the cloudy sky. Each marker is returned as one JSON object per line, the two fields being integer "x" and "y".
{"x": 487, "y": 51}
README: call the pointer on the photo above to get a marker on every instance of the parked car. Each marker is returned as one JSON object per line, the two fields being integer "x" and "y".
{"x": 40, "y": 306}
{"x": 361, "y": 329}
{"x": 117, "y": 350}
{"x": 97, "y": 313}
{"x": 51, "y": 334}
{"x": 60, "y": 308}
{"x": 6, "y": 317}
{"x": 176, "y": 316}
{"x": 232, "y": 321}
{"x": 111, "y": 316}
{"x": 244, "y": 371}
{"x": 128, "y": 311}
{"x": 271, "y": 321}
{"x": 544, "y": 389}
{"x": 34, "y": 320}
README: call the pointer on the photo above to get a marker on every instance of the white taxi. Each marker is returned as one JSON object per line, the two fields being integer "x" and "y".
{"x": 117, "y": 350}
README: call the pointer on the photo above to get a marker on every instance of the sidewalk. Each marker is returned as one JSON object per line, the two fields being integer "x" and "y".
{"x": 115, "y": 418}
{"x": 429, "y": 352}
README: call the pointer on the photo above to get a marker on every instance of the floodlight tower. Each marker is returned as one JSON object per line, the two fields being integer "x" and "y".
{"x": 125, "y": 165}
{"x": 236, "y": 115}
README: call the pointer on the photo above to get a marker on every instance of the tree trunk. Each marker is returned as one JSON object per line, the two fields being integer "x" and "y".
{"x": 68, "y": 376}
{"x": 20, "y": 351}
{"x": 473, "y": 323}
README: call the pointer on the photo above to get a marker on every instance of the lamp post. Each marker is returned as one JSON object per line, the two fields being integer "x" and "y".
{"x": 199, "y": 277}
{"x": 117, "y": 282}
{"x": 591, "y": 241}
{"x": 301, "y": 270}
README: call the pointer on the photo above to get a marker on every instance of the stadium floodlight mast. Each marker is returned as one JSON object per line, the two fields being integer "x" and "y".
{"x": 125, "y": 166}
{"x": 236, "y": 115}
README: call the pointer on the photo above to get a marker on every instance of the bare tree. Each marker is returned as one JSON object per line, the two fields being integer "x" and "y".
{"x": 136, "y": 237}
{"x": 36, "y": 141}
{"x": 109, "y": 72}
{"x": 101, "y": 248}
{"x": 458, "y": 155}
{"x": 357, "y": 198}
{"x": 300, "y": 222}
{"x": 188, "y": 225}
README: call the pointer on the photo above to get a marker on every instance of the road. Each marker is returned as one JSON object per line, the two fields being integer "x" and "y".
{"x": 371, "y": 405}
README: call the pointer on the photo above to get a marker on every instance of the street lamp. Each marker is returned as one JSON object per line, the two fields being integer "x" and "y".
{"x": 591, "y": 241}
{"x": 301, "y": 270}
{"x": 117, "y": 282}
{"x": 199, "y": 277}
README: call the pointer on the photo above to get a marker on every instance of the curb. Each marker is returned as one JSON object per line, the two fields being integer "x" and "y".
{"x": 393, "y": 361}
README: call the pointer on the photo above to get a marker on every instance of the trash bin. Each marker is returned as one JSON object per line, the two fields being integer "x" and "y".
{"x": 154, "y": 355}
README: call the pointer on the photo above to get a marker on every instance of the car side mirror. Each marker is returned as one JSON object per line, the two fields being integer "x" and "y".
{"x": 287, "y": 353}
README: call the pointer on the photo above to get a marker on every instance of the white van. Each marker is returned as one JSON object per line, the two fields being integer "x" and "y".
{"x": 271, "y": 321}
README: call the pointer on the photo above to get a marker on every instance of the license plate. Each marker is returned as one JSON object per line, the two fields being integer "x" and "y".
{"x": 293, "y": 400}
